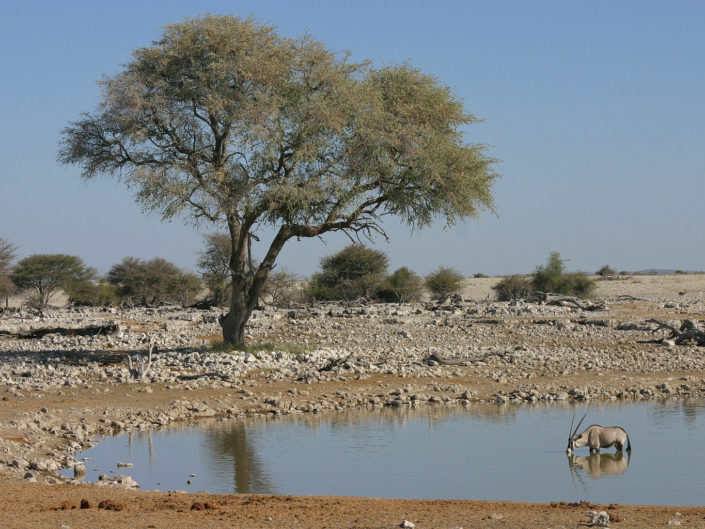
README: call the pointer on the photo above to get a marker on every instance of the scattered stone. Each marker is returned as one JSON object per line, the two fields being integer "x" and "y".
{"x": 79, "y": 470}
{"x": 406, "y": 524}
{"x": 598, "y": 519}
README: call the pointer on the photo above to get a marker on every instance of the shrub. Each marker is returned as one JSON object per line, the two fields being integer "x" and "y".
{"x": 606, "y": 270}
{"x": 552, "y": 278}
{"x": 87, "y": 293}
{"x": 579, "y": 284}
{"x": 152, "y": 281}
{"x": 513, "y": 287}
{"x": 401, "y": 286}
{"x": 480, "y": 275}
{"x": 353, "y": 272}
{"x": 444, "y": 281}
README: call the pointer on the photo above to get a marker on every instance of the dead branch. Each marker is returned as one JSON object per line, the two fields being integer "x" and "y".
{"x": 687, "y": 333}
{"x": 142, "y": 368}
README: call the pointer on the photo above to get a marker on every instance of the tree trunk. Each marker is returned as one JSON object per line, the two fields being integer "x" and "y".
{"x": 233, "y": 324}
{"x": 247, "y": 284}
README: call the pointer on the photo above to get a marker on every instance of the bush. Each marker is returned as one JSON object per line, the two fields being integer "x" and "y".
{"x": 353, "y": 272}
{"x": 401, "y": 286}
{"x": 89, "y": 294}
{"x": 552, "y": 278}
{"x": 152, "y": 281}
{"x": 513, "y": 287}
{"x": 606, "y": 270}
{"x": 480, "y": 275}
{"x": 444, "y": 281}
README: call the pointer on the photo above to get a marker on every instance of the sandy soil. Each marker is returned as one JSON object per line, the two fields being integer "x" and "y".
{"x": 59, "y": 506}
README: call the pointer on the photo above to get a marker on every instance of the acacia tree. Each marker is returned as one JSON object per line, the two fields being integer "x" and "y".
{"x": 46, "y": 274}
{"x": 225, "y": 120}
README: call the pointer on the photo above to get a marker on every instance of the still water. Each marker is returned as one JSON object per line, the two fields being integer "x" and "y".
{"x": 492, "y": 452}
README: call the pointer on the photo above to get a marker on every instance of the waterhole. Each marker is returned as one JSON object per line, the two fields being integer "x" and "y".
{"x": 490, "y": 452}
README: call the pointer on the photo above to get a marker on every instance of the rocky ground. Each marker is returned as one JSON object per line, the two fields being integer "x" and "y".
{"x": 61, "y": 389}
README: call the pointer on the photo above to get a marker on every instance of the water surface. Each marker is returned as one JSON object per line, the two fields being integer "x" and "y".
{"x": 492, "y": 452}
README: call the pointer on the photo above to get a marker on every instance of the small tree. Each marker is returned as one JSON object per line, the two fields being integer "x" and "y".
{"x": 513, "y": 287}
{"x": 183, "y": 287}
{"x": 353, "y": 272}
{"x": 7, "y": 256}
{"x": 444, "y": 281}
{"x": 283, "y": 288}
{"x": 46, "y": 274}
{"x": 401, "y": 286}
{"x": 214, "y": 266}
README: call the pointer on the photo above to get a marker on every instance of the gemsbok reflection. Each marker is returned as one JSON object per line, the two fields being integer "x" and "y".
{"x": 599, "y": 465}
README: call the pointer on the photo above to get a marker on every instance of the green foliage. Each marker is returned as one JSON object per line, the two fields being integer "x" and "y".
{"x": 88, "y": 293}
{"x": 45, "y": 274}
{"x": 401, "y": 286}
{"x": 214, "y": 266}
{"x": 444, "y": 281}
{"x": 552, "y": 278}
{"x": 152, "y": 281}
{"x": 513, "y": 287}
{"x": 606, "y": 270}
{"x": 224, "y": 120}
{"x": 480, "y": 275}
{"x": 353, "y": 272}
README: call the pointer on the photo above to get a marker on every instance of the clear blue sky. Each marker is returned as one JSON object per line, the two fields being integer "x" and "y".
{"x": 596, "y": 109}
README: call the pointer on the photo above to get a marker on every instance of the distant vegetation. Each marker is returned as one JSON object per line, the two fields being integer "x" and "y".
{"x": 513, "y": 287}
{"x": 401, "y": 286}
{"x": 354, "y": 272}
{"x": 152, "y": 282}
{"x": 444, "y": 281}
{"x": 44, "y": 275}
{"x": 606, "y": 270}
{"x": 549, "y": 278}
{"x": 7, "y": 256}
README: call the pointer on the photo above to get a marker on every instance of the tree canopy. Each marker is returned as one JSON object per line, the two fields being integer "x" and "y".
{"x": 152, "y": 281}
{"x": 225, "y": 120}
{"x": 46, "y": 274}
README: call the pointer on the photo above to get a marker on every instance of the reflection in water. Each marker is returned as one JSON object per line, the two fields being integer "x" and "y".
{"x": 248, "y": 472}
{"x": 599, "y": 465}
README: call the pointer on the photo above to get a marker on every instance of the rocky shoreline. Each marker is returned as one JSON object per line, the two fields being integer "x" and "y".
{"x": 63, "y": 389}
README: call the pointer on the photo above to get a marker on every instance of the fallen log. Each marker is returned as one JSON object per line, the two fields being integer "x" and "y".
{"x": 90, "y": 330}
